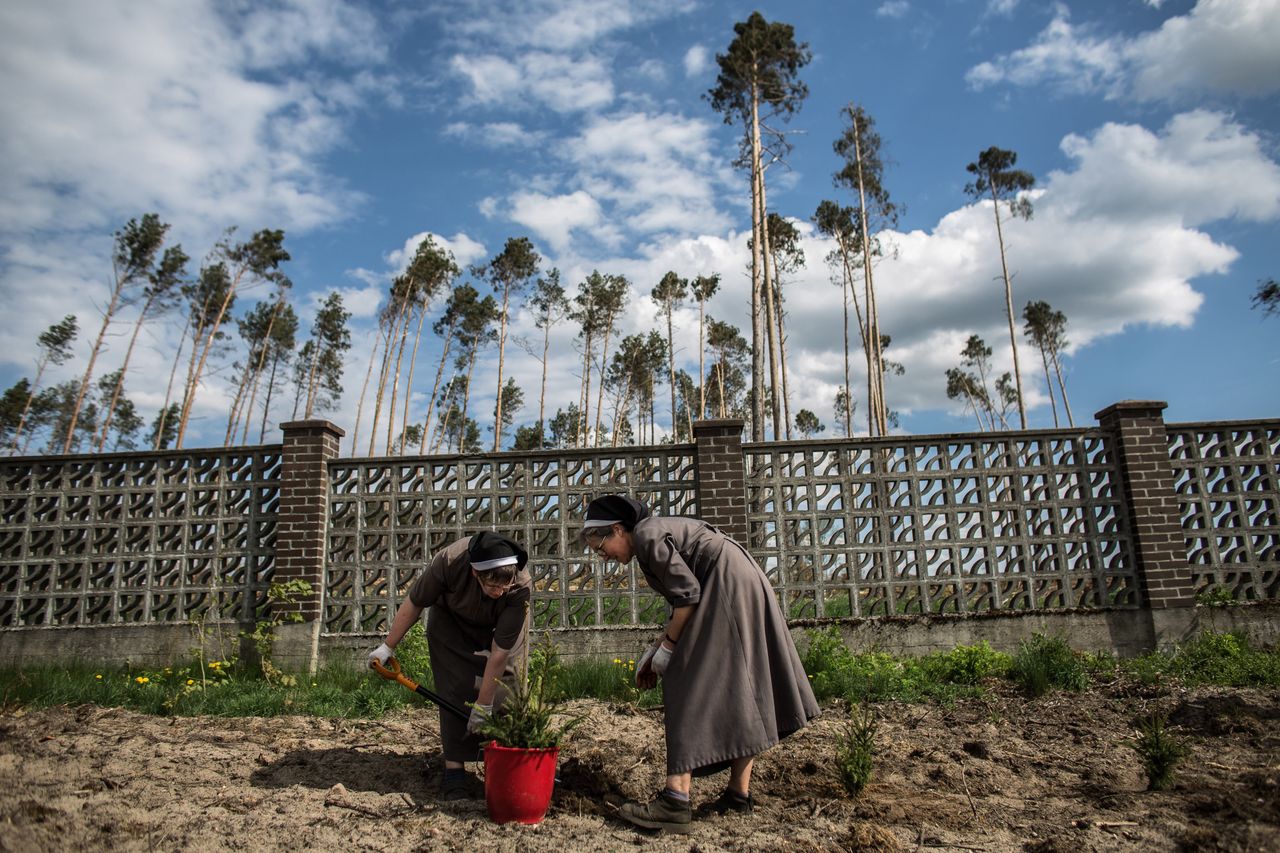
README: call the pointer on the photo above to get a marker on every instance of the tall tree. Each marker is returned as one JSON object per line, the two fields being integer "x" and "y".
{"x": 758, "y": 82}
{"x": 550, "y": 306}
{"x": 204, "y": 297}
{"x": 432, "y": 272}
{"x": 1047, "y": 329}
{"x": 136, "y": 246}
{"x": 786, "y": 255}
{"x": 670, "y": 294}
{"x": 807, "y": 423}
{"x": 962, "y": 384}
{"x": 14, "y": 404}
{"x": 330, "y": 339}
{"x": 256, "y": 260}
{"x": 843, "y": 410}
{"x": 55, "y": 348}
{"x": 859, "y": 145}
{"x": 995, "y": 177}
{"x": 512, "y": 401}
{"x": 462, "y": 301}
{"x": 600, "y": 301}
{"x": 280, "y": 345}
{"x": 703, "y": 287}
{"x": 164, "y": 429}
{"x": 127, "y": 422}
{"x": 725, "y": 373}
{"x": 509, "y": 272}
{"x": 841, "y": 225}
{"x": 162, "y": 286}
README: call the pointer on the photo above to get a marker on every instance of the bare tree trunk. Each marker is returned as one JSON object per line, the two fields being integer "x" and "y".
{"x": 604, "y": 360}
{"x": 542, "y": 394}
{"x": 1048, "y": 384}
{"x": 875, "y": 355}
{"x": 502, "y": 351}
{"x": 782, "y": 347}
{"x": 413, "y": 363}
{"x": 233, "y": 415}
{"x": 757, "y": 301}
{"x": 258, "y": 371}
{"x": 395, "y": 378}
{"x": 31, "y": 396}
{"x": 1008, "y": 305}
{"x": 128, "y": 355}
{"x": 168, "y": 391}
{"x": 364, "y": 389}
{"x": 702, "y": 368}
{"x": 1062, "y": 386}
{"x": 311, "y": 381}
{"x": 466, "y": 401}
{"x": 671, "y": 370}
{"x": 771, "y": 328}
{"x": 435, "y": 389}
{"x": 116, "y": 290}
{"x": 266, "y": 404}
{"x": 204, "y": 356}
{"x": 845, "y": 287}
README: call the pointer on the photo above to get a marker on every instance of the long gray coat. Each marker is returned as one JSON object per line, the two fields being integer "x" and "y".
{"x": 462, "y": 623}
{"x": 735, "y": 685}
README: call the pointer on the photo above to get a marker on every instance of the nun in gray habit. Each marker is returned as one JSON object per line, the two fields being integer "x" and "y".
{"x": 732, "y": 680}
{"x": 477, "y": 634}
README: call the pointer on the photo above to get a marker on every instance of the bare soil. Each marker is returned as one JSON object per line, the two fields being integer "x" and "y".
{"x": 1000, "y": 773}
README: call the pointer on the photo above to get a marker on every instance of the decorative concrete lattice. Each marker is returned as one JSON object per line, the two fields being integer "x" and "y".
{"x": 1227, "y": 479}
{"x": 941, "y": 524}
{"x": 388, "y": 516}
{"x": 145, "y": 538}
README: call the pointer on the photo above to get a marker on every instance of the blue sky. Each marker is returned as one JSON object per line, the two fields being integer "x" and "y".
{"x": 1150, "y": 125}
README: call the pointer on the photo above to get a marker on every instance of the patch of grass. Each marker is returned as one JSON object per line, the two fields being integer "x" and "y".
{"x": 1221, "y": 659}
{"x": 1044, "y": 663}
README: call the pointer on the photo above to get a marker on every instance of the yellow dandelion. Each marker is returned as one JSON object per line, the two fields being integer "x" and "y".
{"x": 98, "y": 677}
{"x": 215, "y": 664}
{"x": 142, "y": 679}
{"x": 631, "y": 663}
{"x": 617, "y": 660}
{"x": 190, "y": 681}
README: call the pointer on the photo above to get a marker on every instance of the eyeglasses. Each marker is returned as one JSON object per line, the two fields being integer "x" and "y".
{"x": 597, "y": 544}
{"x": 496, "y": 587}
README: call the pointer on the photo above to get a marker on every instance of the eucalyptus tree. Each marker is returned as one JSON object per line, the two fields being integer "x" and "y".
{"x": 281, "y": 341}
{"x": 1047, "y": 330}
{"x": 163, "y": 283}
{"x": 843, "y": 409}
{"x": 550, "y": 305}
{"x": 431, "y": 272}
{"x": 54, "y": 344}
{"x": 330, "y": 339}
{"x": 703, "y": 288}
{"x": 807, "y": 423}
{"x": 136, "y": 247}
{"x": 504, "y": 409}
{"x": 758, "y": 82}
{"x": 840, "y": 224}
{"x": 786, "y": 255}
{"x": 725, "y": 375}
{"x": 509, "y": 272}
{"x": 462, "y": 302}
{"x": 859, "y": 145}
{"x": 256, "y": 260}
{"x": 202, "y": 296}
{"x": 670, "y": 294}
{"x": 995, "y": 178}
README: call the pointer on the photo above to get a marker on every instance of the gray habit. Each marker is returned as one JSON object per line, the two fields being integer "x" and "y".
{"x": 461, "y": 625}
{"x": 735, "y": 685}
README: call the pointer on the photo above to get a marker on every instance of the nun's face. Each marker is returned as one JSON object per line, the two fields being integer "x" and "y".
{"x": 490, "y": 588}
{"x": 615, "y": 544}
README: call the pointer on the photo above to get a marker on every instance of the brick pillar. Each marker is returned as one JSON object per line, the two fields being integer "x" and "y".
{"x": 1160, "y": 550}
{"x": 301, "y": 529}
{"x": 721, "y": 475}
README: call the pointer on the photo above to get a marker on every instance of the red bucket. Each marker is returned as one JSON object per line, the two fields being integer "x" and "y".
{"x": 518, "y": 782}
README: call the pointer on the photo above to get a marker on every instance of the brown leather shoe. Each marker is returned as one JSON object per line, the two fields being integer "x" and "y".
{"x": 728, "y": 801}
{"x": 663, "y": 812}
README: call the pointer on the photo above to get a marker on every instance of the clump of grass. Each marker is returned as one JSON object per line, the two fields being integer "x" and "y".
{"x": 1159, "y": 750}
{"x": 856, "y": 749}
{"x": 1043, "y": 663}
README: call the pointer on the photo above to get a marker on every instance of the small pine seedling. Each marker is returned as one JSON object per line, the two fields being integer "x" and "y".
{"x": 1160, "y": 751}
{"x": 855, "y": 751}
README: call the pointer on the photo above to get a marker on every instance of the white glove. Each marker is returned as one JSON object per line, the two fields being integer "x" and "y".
{"x": 479, "y": 715}
{"x": 381, "y": 654}
{"x": 661, "y": 658}
{"x": 645, "y": 660}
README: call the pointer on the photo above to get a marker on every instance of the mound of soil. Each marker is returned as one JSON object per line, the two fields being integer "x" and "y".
{"x": 999, "y": 773}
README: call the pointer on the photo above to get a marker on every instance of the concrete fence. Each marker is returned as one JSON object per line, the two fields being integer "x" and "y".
{"x": 1115, "y": 536}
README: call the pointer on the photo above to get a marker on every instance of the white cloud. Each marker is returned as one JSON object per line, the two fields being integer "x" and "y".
{"x": 893, "y": 9}
{"x": 498, "y": 134}
{"x": 1001, "y": 7}
{"x": 1220, "y": 46}
{"x": 560, "y": 25}
{"x": 562, "y": 82}
{"x": 696, "y": 60}
{"x": 554, "y": 218}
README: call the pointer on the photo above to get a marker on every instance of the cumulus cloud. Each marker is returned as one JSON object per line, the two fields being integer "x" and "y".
{"x": 696, "y": 60}
{"x": 563, "y": 83}
{"x": 497, "y": 134}
{"x": 1220, "y": 47}
{"x": 555, "y": 218}
{"x": 893, "y": 9}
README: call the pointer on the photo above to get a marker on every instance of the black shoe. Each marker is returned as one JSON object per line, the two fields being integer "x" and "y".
{"x": 453, "y": 789}
{"x": 728, "y": 801}
{"x": 664, "y": 812}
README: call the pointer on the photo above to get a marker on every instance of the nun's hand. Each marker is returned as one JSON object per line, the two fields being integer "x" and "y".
{"x": 381, "y": 654}
{"x": 479, "y": 716}
{"x": 661, "y": 657}
{"x": 645, "y": 676}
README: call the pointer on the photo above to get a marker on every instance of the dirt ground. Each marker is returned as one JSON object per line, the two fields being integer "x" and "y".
{"x": 1001, "y": 773}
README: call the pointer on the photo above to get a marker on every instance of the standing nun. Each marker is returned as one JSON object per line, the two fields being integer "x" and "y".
{"x": 477, "y": 633}
{"x": 733, "y": 684}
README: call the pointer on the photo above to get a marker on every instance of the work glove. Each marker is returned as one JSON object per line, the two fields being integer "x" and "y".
{"x": 479, "y": 715}
{"x": 645, "y": 676}
{"x": 661, "y": 658}
{"x": 381, "y": 654}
